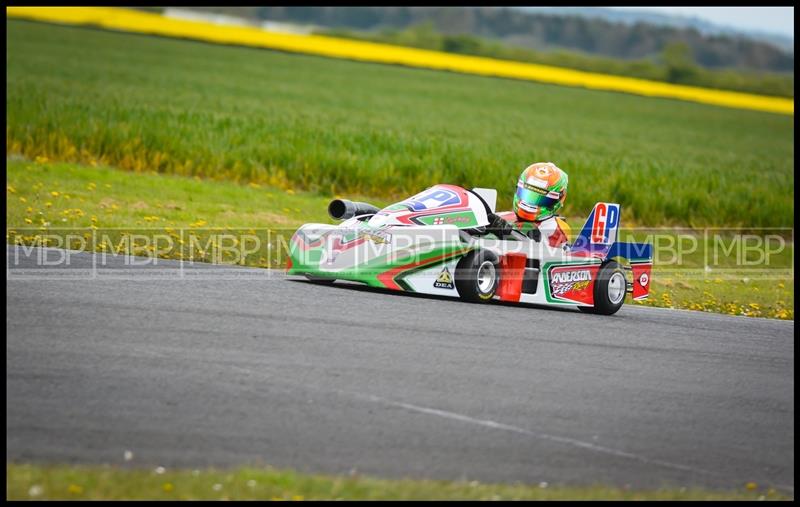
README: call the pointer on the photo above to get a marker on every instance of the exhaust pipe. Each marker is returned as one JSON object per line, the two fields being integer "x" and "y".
{"x": 342, "y": 209}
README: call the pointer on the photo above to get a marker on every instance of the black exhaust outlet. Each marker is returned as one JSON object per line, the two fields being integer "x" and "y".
{"x": 342, "y": 209}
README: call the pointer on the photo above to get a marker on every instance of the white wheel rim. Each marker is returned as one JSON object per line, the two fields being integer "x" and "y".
{"x": 616, "y": 288}
{"x": 486, "y": 274}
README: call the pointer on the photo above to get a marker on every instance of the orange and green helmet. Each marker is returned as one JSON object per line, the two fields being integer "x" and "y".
{"x": 541, "y": 191}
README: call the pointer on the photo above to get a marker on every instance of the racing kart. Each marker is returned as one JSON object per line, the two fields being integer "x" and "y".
{"x": 446, "y": 241}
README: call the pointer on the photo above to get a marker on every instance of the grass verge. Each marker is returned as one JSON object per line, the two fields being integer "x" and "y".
{"x": 113, "y": 483}
{"x": 56, "y": 198}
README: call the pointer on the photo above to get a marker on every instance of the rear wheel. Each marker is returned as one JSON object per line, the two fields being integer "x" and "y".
{"x": 477, "y": 275}
{"x": 610, "y": 288}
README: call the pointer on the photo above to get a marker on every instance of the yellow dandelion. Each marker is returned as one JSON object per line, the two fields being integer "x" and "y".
{"x": 22, "y": 199}
{"x": 10, "y": 189}
{"x": 54, "y": 193}
{"x": 74, "y": 489}
{"x": 168, "y": 487}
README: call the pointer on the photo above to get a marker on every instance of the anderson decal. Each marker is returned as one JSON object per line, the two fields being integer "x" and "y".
{"x": 572, "y": 284}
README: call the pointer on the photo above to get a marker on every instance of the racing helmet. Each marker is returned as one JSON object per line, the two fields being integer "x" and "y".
{"x": 541, "y": 191}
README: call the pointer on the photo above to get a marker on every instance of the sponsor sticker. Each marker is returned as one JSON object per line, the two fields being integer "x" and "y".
{"x": 459, "y": 218}
{"x": 605, "y": 220}
{"x": 444, "y": 280}
{"x": 641, "y": 273}
{"x": 573, "y": 284}
{"x": 565, "y": 281}
{"x": 537, "y": 185}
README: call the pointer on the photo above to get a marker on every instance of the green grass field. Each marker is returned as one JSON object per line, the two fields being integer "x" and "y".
{"x": 331, "y": 126}
{"x": 57, "y": 199}
{"x": 32, "y": 482}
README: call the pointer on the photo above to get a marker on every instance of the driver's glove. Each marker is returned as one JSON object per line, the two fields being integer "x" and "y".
{"x": 498, "y": 226}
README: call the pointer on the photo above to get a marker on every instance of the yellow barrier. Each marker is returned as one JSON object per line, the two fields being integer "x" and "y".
{"x": 129, "y": 20}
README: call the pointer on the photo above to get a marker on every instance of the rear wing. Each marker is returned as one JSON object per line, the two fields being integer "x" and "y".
{"x": 598, "y": 239}
{"x": 599, "y": 232}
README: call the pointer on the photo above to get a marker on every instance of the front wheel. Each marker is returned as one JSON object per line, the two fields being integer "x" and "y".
{"x": 477, "y": 275}
{"x": 609, "y": 290}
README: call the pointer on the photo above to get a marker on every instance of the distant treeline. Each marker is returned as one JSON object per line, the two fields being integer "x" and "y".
{"x": 541, "y": 32}
{"x": 675, "y": 64}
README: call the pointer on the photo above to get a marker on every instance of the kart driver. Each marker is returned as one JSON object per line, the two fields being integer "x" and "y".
{"x": 541, "y": 192}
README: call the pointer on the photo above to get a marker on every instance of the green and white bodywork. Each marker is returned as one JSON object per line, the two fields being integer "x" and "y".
{"x": 429, "y": 244}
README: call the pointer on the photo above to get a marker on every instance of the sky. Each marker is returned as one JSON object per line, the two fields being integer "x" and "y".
{"x": 779, "y": 20}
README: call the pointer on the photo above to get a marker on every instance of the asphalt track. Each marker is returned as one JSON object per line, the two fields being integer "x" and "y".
{"x": 222, "y": 367}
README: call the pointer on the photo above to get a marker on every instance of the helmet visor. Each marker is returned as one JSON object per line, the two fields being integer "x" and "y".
{"x": 535, "y": 196}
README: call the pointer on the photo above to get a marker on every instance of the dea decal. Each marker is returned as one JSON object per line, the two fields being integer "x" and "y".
{"x": 444, "y": 280}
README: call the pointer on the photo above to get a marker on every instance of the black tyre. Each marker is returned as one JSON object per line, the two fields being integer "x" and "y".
{"x": 320, "y": 280}
{"x": 609, "y": 290}
{"x": 477, "y": 275}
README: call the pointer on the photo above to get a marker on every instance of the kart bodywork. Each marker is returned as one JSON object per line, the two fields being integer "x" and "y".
{"x": 438, "y": 242}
